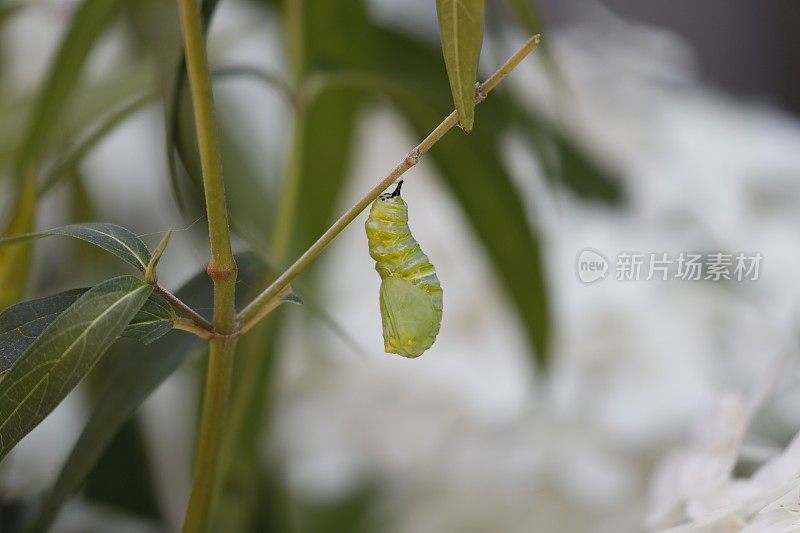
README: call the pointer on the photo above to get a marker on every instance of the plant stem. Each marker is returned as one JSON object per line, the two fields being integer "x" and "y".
{"x": 216, "y": 399}
{"x": 255, "y": 310}
{"x": 186, "y": 324}
{"x": 221, "y": 269}
{"x": 255, "y": 362}
{"x": 178, "y": 305}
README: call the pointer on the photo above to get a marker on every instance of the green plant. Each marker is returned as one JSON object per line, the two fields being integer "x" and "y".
{"x": 50, "y": 344}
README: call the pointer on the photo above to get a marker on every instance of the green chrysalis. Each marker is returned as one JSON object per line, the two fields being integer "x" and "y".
{"x": 411, "y": 296}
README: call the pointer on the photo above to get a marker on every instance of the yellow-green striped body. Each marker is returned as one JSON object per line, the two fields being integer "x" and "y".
{"x": 411, "y": 296}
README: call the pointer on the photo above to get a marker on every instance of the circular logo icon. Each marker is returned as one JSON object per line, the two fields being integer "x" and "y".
{"x": 592, "y": 266}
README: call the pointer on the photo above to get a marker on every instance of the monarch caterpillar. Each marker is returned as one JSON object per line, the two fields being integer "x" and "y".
{"x": 411, "y": 296}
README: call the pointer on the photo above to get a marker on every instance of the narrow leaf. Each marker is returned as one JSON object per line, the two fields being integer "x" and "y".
{"x": 64, "y": 353}
{"x": 461, "y": 31}
{"x": 110, "y": 237}
{"x": 88, "y": 23}
{"x": 129, "y": 456}
{"x": 68, "y": 164}
{"x": 564, "y": 160}
{"x": 15, "y": 259}
{"x": 130, "y": 377}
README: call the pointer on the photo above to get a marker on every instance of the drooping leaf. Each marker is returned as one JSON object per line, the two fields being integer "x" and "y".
{"x": 94, "y": 100}
{"x": 14, "y": 260}
{"x": 88, "y": 23}
{"x": 129, "y": 378}
{"x": 564, "y": 160}
{"x": 461, "y": 31}
{"x": 68, "y": 164}
{"x": 127, "y": 457}
{"x": 182, "y": 153}
{"x": 110, "y": 237}
{"x": 64, "y": 353}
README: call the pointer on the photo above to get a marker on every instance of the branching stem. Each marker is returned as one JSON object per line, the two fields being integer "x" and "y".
{"x": 255, "y": 310}
{"x": 221, "y": 269}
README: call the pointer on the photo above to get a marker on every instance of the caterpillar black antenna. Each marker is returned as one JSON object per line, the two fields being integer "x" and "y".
{"x": 396, "y": 191}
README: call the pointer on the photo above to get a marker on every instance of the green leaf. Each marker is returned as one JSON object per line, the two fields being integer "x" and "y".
{"x": 527, "y": 15}
{"x": 110, "y": 237}
{"x": 129, "y": 378}
{"x": 88, "y": 23}
{"x": 565, "y": 161}
{"x": 179, "y": 119}
{"x": 64, "y": 353}
{"x": 23, "y": 323}
{"x": 352, "y": 513}
{"x": 323, "y": 160}
{"x": 461, "y": 31}
{"x": 86, "y": 106}
{"x": 154, "y": 320}
{"x": 127, "y": 457}
{"x": 68, "y": 164}
{"x": 14, "y": 261}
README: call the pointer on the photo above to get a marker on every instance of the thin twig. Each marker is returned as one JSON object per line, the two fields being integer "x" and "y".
{"x": 178, "y": 305}
{"x": 187, "y": 324}
{"x": 255, "y": 310}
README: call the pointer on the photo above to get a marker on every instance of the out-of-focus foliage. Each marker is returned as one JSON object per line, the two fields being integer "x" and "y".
{"x": 15, "y": 259}
{"x": 88, "y": 23}
{"x": 340, "y": 63}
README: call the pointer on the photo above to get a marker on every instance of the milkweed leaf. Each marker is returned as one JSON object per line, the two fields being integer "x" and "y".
{"x": 130, "y": 376}
{"x": 461, "y": 32}
{"x": 64, "y": 353}
{"x": 23, "y": 323}
{"x": 86, "y": 26}
{"x": 564, "y": 160}
{"x": 112, "y": 238}
{"x": 68, "y": 164}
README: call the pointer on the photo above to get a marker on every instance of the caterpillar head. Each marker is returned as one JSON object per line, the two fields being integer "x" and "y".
{"x": 388, "y": 196}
